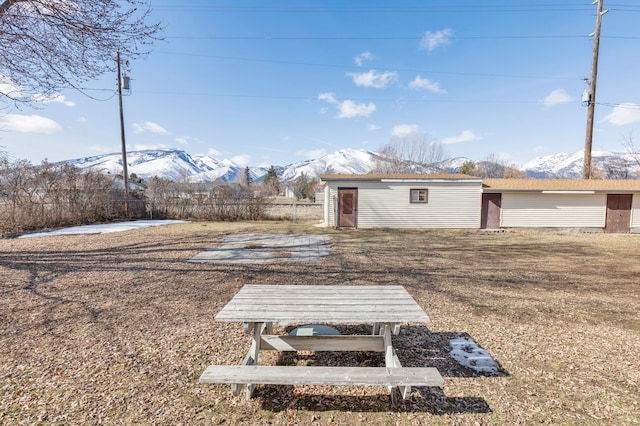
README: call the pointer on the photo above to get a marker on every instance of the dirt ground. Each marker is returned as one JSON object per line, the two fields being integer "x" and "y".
{"x": 117, "y": 328}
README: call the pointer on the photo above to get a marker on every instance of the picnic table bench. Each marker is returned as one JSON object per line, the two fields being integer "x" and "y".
{"x": 259, "y": 306}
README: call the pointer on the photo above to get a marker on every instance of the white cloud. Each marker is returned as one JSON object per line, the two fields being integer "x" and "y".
{"x": 433, "y": 40}
{"x": 313, "y": 153}
{"x": 420, "y": 83}
{"x": 213, "y": 152}
{"x": 557, "y": 97}
{"x": 183, "y": 140}
{"x": 9, "y": 87}
{"x": 350, "y": 109}
{"x": 149, "y": 126}
{"x": 58, "y": 98}
{"x": 347, "y": 108}
{"x": 622, "y": 114}
{"x": 102, "y": 149}
{"x": 15, "y": 91}
{"x": 404, "y": 130}
{"x": 328, "y": 97}
{"x": 242, "y": 159}
{"x": 373, "y": 79}
{"x": 144, "y": 147}
{"x": 373, "y": 127}
{"x": 83, "y": 120}
{"x": 362, "y": 58}
{"x": 465, "y": 136}
{"x": 28, "y": 124}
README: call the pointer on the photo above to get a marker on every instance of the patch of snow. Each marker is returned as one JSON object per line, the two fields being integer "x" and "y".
{"x": 104, "y": 228}
{"x": 469, "y": 354}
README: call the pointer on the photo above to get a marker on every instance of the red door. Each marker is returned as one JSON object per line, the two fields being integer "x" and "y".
{"x": 618, "y": 213}
{"x": 490, "y": 218}
{"x": 347, "y": 207}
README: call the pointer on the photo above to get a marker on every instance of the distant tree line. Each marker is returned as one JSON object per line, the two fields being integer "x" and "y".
{"x": 491, "y": 167}
{"x": 34, "y": 197}
{"x": 46, "y": 196}
{"x": 166, "y": 199}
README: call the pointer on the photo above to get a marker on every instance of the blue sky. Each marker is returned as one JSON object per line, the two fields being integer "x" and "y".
{"x": 277, "y": 82}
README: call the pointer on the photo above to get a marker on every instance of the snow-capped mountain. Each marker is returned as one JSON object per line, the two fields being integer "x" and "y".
{"x": 570, "y": 166}
{"x": 349, "y": 161}
{"x": 211, "y": 169}
{"x": 165, "y": 163}
{"x": 176, "y": 164}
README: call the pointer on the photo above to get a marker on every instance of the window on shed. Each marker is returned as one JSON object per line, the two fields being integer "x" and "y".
{"x": 419, "y": 195}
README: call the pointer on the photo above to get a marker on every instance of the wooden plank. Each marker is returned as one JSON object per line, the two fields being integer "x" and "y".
{"x": 251, "y": 358}
{"x": 287, "y": 375}
{"x": 355, "y": 288}
{"x": 319, "y": 317}
{"x": 332, "y": 304}
{"x": 322, "y": 304}
{"x": 322, "y": 343}
{"x": 391, "y": 360}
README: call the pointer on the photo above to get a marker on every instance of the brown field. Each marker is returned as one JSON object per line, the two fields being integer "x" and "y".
{"x": 117, "y": 328}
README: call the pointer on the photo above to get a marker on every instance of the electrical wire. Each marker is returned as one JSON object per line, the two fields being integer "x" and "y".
{"x": 484, "y": 8}
{"x": 626, "y": 105}
{"x": 356, "y": 68}
{"x": 388, "y": 38}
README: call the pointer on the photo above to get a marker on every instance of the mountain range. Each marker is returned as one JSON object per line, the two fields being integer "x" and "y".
{"x": 178, "y": 165}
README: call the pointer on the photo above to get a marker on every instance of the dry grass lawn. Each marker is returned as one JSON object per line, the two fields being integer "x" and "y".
{"x": 117, "y": 328}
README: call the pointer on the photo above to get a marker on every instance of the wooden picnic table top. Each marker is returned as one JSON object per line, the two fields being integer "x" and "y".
{"x": 322, "y": 304}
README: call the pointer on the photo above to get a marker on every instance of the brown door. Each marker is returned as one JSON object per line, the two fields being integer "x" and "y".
{"x": 347, "y": 207}
{"x": 618, "y": 213}
{"x": 490, "y": 218}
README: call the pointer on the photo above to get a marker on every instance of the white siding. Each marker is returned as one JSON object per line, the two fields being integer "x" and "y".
{"x": 635, "y": 211}
{"x": 554, "y": 210}
{"x": 386, "y": 204}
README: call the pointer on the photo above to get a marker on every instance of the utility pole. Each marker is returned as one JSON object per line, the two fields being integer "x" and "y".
{"x": 591, "y": 100}
{"x": 124, "y": 145}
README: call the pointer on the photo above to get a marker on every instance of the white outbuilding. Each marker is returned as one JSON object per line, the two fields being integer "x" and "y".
{"x": 402, "y": 201}
{"x": 582, "y": 204}
{"x": 462, "y": 201}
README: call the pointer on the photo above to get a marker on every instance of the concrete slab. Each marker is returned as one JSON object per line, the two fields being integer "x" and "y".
{"x": 266, "y": 248}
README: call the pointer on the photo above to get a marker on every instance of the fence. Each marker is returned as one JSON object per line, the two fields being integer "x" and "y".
{"x": 294, "y": 212}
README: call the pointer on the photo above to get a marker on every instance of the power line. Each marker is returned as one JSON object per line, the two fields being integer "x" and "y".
{"x": 625, "y": 105}
{"x": 510, "y": 8}
{"x": 365, "y": 37}
{"x": 314, "y": 98}
{"x": 353, "y": 67}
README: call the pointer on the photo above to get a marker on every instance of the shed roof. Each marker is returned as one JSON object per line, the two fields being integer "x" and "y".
{"x": 405, "y": 176}
{"x": 561, "y": 185}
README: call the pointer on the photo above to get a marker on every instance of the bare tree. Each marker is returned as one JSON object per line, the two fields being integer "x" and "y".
{"x": 48, "y": 45}
{"x": 495, "y": 167}
{"x": 627, "y": 142}
{"x": 415, "y": 153}
{"x": 616, "y": 168}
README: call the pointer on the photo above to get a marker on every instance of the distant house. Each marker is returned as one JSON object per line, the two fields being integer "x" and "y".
{"x": 461, "y": 201}
{"x": 402, "y": 201}
{"x": 587, "y": 205}
{"x": 118, "y": 183}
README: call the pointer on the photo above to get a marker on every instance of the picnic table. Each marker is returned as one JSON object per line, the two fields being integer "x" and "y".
{"x": 385, "y": 307}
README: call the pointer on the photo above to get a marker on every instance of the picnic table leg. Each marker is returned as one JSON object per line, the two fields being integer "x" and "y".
{"x": 251, "y": 358}
{"x": 391, "y": 360}
{"x": 376, "y": 329}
